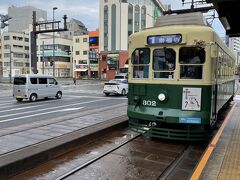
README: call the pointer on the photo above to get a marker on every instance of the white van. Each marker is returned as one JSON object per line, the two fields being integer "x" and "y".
{"x": 35, "y": 86}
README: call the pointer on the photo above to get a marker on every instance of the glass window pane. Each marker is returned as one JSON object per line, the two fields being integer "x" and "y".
{"x": 33, "y": 80}
{"x": 140, "y": 71}
{"x": 164, "y": 59}
{"x": 19, "y": 81}
{"x": 191, "y": 55}
{"x": 190, "y": 72}
{"x": 141, "y": 56}
{"x": 42, "y": 80}
{"x": 166, "y": 75}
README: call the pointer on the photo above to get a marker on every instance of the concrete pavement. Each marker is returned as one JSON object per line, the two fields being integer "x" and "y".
{"x": 25, "y": 146}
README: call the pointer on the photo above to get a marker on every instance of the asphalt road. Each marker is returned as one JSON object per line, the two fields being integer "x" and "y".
{"x": 83, "y": 97}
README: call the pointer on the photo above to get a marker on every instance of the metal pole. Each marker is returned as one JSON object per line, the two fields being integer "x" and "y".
{"x": 55, "y": 8}
{"x": 43, "y": 60}
{"x": 10, "y": 59}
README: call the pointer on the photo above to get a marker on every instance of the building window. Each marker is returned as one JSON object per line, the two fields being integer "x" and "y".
{"x": 7, "y": 46}
{"x": 77, "y": 40}
{"x": 130, "y": 19}
{"x": 6, "y": 55}
{"x": 136, "y": 17}
{"x": 85, "y": 39}
{"x": 77, "y": 52}
{"x": 6, "y": 37}
{"x": 113, "y": 35}
{"x": 143, "y": 17}
{"x": 26, "y": 47}
{"x": 17, "y": 55}
{"x": 85, "y": 52}
{"x": 26, "y": 39}
{"x": 17, "y": 38}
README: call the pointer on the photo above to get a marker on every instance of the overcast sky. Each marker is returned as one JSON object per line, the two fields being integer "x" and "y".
{"x": 86, "y": 11}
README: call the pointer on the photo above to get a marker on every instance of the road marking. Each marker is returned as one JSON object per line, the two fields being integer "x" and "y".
{"x": 59, "y": 110}
{"x": 8, "y": 115}
{"x": 71, "y": 109}
{"x": 201, "y": 165}
{"x": 20, "y": 108}
{"x": 38, "y": 102}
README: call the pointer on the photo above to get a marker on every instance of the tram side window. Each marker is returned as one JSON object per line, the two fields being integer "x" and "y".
{"x": 140, "y": 61}
{"x": 191, "y": 61}
{"x": 164, "y": 62}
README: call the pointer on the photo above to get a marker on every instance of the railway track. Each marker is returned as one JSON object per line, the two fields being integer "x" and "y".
{"x": 121, "y": 154}
{"x": 81, "y": 166}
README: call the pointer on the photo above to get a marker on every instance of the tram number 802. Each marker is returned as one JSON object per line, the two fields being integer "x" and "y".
{"x": 149, "y": 103}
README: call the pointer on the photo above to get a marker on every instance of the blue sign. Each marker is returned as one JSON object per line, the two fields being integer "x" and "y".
{"x": 164, "y": 39}
{"x": 190, "y": 120}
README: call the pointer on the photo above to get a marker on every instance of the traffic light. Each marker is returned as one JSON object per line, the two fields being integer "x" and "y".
{"x": 4, "y": 19}
{"x": 51, "y": 63}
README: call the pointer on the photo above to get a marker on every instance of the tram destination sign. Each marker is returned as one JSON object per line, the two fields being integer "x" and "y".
{"x": 164, "y": 39}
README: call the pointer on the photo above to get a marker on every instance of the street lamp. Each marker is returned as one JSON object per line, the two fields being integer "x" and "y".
{"x": 54, "y": 8}
{"x": 10, "y": 59}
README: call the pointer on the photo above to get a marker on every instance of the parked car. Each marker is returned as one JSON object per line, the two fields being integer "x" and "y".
{"x": 121, "y": 76}
{"x": 116, "y": 86}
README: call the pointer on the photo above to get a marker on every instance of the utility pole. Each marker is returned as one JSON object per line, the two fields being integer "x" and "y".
{"x": 43, "y": 27}
{"x": 53, "y": 58}
{"x": 34, "y": 45}
{"x": 43, "y": 60}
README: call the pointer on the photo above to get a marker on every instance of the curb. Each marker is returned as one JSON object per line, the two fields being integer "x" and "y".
{"x": 15, "y": 162}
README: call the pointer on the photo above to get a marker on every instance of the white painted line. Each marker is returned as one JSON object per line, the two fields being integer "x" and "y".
{"x": 38, "y": 102}
{"x": 33, "y": 115}
{"x": 8, "y": 115}
{"x": 72, "y": 109}
{"x": 20, "y": 108}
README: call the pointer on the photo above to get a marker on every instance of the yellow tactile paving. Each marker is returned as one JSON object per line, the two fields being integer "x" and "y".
{"x": 197, "y": 173}
{"x": 230, "y": 169}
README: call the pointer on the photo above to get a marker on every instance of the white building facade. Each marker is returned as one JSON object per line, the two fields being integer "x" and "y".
{"x": 234, "y": 45}
{"x": 62, "y": 55}
{"x": 81, "y": 62}
{"x": 15, "y": 53}
{"x": 120, "y": 18}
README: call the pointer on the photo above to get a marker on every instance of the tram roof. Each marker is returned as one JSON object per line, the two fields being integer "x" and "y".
{"x": 182, "y": 19}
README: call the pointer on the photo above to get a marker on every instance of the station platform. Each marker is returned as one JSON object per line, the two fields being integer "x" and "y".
{"x": 24, "y": 146}
{"x": 221, "y": 159}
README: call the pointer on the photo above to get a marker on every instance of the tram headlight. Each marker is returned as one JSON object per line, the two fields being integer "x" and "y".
{"x": 162, "y": 97}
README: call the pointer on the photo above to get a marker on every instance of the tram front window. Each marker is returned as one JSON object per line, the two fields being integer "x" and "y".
{"x": 164, "y": 61}
{"x": 191, "y": 61}
{"x": 140, "y": 61}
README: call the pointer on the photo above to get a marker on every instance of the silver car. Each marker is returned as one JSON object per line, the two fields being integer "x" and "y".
{"x": 35, "y": 86}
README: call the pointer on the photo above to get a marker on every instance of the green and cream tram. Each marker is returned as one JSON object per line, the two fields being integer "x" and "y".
{"x": 180, "y": 75}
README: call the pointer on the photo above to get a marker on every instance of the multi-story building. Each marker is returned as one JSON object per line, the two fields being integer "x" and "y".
{"x": 80, "y": 56}
{"x": 94, "y": 53}
{"x": 22, "y": 17}
{"x": 234, "y": 44}
{"x": 85, "y": 55}
{"x": 118, "y": 20}
{"x": 61, "y": 62}
{"x": 15, "y": 53}
{"x": 75, "y": 28}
